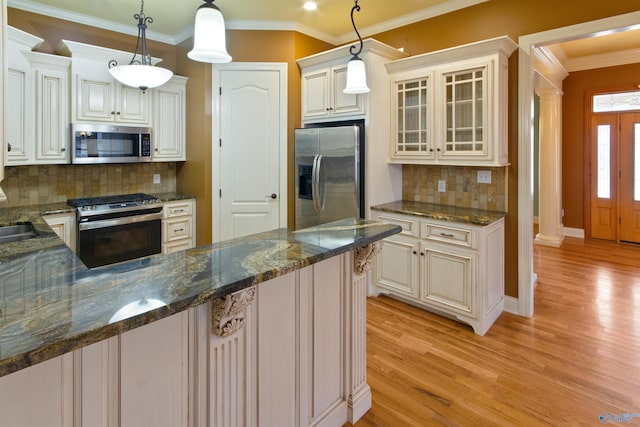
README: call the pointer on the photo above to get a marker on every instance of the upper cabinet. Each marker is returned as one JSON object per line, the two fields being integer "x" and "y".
{"x": 169, "y": 116}
{"x": 96, "y": 95}
{"x": 450, "y": 107}
{"x": 37, "y": 103}
{"x": 322, "y": 96}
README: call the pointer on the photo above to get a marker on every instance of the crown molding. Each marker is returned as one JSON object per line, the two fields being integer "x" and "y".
{"x": 609, "y": 59}
{"x": 441, "y": 9}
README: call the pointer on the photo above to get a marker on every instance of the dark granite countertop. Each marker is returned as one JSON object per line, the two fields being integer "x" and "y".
{"x": 441, "y": 212}
{"x": 51, "y": 304}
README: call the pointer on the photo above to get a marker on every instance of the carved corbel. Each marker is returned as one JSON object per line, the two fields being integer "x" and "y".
{"x": 229, "y": 313}
{"x": 363, "y": 256}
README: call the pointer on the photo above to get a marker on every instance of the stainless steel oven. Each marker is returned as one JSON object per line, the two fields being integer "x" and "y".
{"x": 114, "y": 229}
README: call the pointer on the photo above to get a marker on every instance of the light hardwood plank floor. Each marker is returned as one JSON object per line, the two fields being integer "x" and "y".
{"x": 577, "y": 357}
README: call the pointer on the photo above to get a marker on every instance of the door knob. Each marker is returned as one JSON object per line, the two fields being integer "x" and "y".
{"x": 272, "y": 195}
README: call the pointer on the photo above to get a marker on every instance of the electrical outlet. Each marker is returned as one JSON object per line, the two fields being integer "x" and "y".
{"x": 156, "y": 178}
{"x": 442, "y": 185}
{"x": 484, "y": 177}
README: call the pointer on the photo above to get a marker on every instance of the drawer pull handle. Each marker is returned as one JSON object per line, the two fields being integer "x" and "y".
{"x": 178, "y": 211}
{"x": 178, "y": 230}
{"x": 446, "y": 235}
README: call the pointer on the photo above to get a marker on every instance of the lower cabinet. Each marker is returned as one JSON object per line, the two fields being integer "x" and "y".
{"x": 454, "y": 269}
{"x": 290, "y": 351}
{"x": 64, "y": 225}
{"x": 178, "y": 222}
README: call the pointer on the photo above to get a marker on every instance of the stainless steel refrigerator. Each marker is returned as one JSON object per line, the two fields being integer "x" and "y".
{"x": 329, "y": 172}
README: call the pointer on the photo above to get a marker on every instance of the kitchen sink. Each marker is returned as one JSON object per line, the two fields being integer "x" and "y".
{"x": 17, "y": 231}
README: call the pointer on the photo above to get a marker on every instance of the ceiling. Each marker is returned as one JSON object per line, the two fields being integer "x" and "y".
{"x": 331, "y": 22}
{"x": 173, "y": 19}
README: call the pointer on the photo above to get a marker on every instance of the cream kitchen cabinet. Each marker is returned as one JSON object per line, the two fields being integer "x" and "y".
{"x": 19, "y": 100}
{"x": 454, "y": 269}
{"x": 64, "y": 225}
{"x": 98, "y": 97}
{"x": 178, "y": 221}
{"x": 322, "y": 92}
{"x": 450, "y": 106}
{"x": 169, "y": 117}
{"x": 38, "y": 104}
{"x": 3, "y": 98}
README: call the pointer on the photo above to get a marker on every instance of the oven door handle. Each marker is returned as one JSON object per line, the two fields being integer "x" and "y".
{"x": 92, "y": 225}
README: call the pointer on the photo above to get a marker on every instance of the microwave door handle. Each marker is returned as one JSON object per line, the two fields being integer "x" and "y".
{"x": 314, "y": 184}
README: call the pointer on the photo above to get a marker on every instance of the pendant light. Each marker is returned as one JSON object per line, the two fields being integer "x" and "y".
{"x": 140, "y": 73}
{"x": 209, "y": 41}
{"x": 356, "y": 74}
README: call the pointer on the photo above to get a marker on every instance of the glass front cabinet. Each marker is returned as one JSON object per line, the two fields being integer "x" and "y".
{"x": 450, "y": 107}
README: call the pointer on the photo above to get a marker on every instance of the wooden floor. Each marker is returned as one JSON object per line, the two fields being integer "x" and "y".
{"x": 577, "y": 357}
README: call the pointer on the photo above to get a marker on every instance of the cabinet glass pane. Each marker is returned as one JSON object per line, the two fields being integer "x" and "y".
{"x": 464, "y": 108}
{"x": 411, "y": 117}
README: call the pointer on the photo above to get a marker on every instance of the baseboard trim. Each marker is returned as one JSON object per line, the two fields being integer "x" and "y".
{"x": 573, "y": 232}
{"x": 511, "y": 305}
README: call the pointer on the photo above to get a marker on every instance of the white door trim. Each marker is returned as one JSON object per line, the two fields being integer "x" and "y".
{"x": 526, "y": 275}
{"x": 281, "y": 67}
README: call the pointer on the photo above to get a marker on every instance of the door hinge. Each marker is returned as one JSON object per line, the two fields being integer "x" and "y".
{"x": 619, "y": 220}
{"x": 220, "y": 91}
{"x": 220, "y": 193}
{"x": 220, "y": 142}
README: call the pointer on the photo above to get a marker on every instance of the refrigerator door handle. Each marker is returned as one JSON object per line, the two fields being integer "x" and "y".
{"x": 321, "y": 194}
{"x": 314, "y": 184}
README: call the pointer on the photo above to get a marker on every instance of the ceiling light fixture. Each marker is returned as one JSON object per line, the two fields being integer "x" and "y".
{"x": 209, "y": 41}
{"x": 356, "y": 74}
{"x": 310, "y": 5}
{"x": 140, "y": 73}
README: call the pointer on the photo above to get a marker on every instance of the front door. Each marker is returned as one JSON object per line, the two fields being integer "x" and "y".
{"x": 615, "y": 171}
{"x": 250, "y": 141}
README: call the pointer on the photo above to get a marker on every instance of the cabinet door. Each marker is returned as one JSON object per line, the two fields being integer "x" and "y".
{"x": 315, "y": 94}
{"x": 169, "y": 119}
{"x": 49, "y": 388}
{"x": 413, "y": 125}
{"x": 154, "y": 374}
{"x": 52, "y": 117}
{"x": 397, "y": 266}
{"x": 447, "y": 277}
{"x": 18, "y": 126}
{"x": 132, "y": 104}
{"x": 464, "y": 103}
{"x": 94, "y": 99}
{"x": 343, "y": 103}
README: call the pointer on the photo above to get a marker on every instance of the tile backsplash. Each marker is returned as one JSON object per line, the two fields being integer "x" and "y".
{"x": 420, "y": 184}
{"x": 33, "y": 185}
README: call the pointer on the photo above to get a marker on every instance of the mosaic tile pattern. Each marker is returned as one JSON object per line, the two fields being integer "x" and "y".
{"x": 420, "y": 184}
{"x": 42, "y": 184}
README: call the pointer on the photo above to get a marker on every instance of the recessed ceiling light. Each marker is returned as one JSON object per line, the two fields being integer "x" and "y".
{"x": 310, "y": 5}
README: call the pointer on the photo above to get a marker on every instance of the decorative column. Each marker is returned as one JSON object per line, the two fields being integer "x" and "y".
{"x": 550, "y": 230}
{"x": 358, "y": 391}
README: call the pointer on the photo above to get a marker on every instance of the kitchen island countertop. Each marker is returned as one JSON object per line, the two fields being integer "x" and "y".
{"x": 441, "y": 212}
{"x": 52, "y": 304}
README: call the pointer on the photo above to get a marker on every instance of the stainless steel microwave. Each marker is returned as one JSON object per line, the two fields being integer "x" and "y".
{"x": 104, "y": 143}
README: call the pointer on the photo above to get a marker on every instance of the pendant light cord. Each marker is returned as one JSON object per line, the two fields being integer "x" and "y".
{"x": 356, "y": 7}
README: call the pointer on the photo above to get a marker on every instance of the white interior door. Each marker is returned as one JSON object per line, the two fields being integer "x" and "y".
{"x": 250, "y": 147}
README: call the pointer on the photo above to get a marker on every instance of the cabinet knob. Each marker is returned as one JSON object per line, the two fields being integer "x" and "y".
{"x": 437, "y": 149}
{"x": 421, "y": 253}
{"x": 329, "y": 108}
{"x": 63, "y": 149}
{"x": 113, "y": 113}
{"x": 414, "y": 252}
{"x": 431, "y": 150}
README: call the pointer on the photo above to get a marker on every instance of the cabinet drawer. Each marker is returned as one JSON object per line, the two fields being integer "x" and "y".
{"x": 178, "y": 245}
{"x": 175, "y": 229}
{"x": 447, "y": 234}
{"x": 177, "y": 209}
{"x": 409, "y": 225}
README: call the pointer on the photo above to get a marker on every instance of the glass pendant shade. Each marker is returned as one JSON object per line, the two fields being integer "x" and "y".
{"x": 141, "y": 76}
{"x": 356, "y": 77}
{"x": 209, "y": 41}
